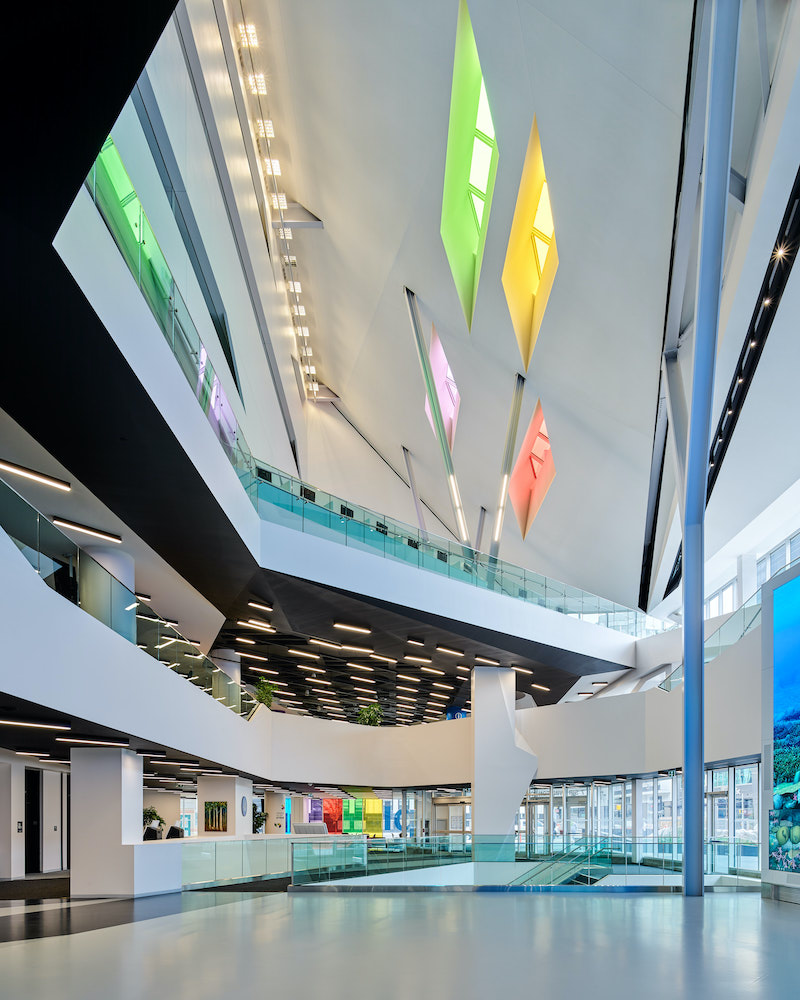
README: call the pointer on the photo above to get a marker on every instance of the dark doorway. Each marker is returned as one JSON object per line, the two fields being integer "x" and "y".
{"x": 33, "y": 821}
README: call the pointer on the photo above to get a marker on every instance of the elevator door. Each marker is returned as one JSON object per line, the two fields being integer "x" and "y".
{"x": 33, "y": 821}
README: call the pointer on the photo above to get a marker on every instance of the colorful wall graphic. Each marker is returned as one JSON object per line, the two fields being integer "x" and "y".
{"x": 784, "y": 816}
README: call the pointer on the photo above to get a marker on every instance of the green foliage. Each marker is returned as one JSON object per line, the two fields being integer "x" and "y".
{"x": 149, "y": 813}
{"x": 787, "y": 748}
{"x": 370, "y": 715}
{"x": 259, "y": 819}
{"x": 265, "y": 692}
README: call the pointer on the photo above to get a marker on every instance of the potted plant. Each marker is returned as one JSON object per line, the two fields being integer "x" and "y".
{"x": 370, "y": 715}
{"x": 259, "y": 819}
{"x": 264, "y": 692}
{"x": 150, "y": 816}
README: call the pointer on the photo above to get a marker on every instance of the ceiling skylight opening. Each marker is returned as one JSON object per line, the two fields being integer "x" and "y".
{"x": 484, "y": 123}
{"x": 265, "y": 128}
{"x": 279, "y": 201}
{"x": 273, "y": 167}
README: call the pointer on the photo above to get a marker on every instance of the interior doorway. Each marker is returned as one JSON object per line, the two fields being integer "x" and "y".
{"x": 33, "y": 821}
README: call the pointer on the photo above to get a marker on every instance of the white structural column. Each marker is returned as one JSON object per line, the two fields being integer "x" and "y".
{"x": 236, "y": 817}
{"x": 106, "y": 814}
{"x": 716, "y": 174}
{"x": 503, "y": 763}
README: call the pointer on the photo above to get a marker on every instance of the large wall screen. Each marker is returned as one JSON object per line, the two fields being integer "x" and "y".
{"x": 784, "y": 816}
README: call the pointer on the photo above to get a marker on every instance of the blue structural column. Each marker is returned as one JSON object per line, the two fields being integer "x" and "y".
{"x": 716, "y": 173}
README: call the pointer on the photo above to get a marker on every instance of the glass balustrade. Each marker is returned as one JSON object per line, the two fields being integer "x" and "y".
{"x": 513, "y": 861}
{"x": 78, "y": 577}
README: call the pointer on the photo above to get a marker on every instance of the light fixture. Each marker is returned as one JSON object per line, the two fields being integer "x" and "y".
{"x": 37, "y": 477}
{"x": 599, "y": 683}
{"x": 321, "y": 680}
{"x": 417, "y": 659}
{"x": 167, "y": 642}
{"x": 401, "y": 687}
{"x": 248, "y": 642}
{"x": 357, "y": 649}
{"x": 372, "y": 700}
{"x": 540, "y": 687}
{"x": 447, "y": 687}
{"x": 353, "y": 628}
{"x": 432, "y": 670}
{"x": 364, "y": 690}
{"x": 753, "y": 343}
{"x": 405, "y": 697}
{"x": 265, "y": 128}
{"x": 294, "y": 286}
{"x": 585, "y": 694}
{"x": 415, "y": 642}
{"x": 130, "y": 607}
{"x": 360, "y": 666}
{"x": 30, "y": 753}
{"x": 35, "y": 725}
{"x": 257, "y": 84}
{"x": 362, "y": 680}
{"x": 522, "y": 670}
{"x": 248, "y": 38}
{"x": 94, "y": 532}
{"x": 408, "y": 677}
{"x": 253, "y": 656}
{"x": 144, "y": 598}
{"x": 285, "y": 234}
{"x": 279, "y": 202}
{"x": 445, "y": 697}
{"x": 449, "y": 652}
{"x": 91, "y": 743}
{"x": 302, "y": 652}
{"x": 259, "y": 607}
{"x": 767, "y": 302}
{"x": 273, "y": 166}
{"x": 262, "y": 626}
{"x": 383, "y": 659}
{"x": 463, "y": 668}
{"x": 325, "y": 643}
{"x": 485, "y": 659}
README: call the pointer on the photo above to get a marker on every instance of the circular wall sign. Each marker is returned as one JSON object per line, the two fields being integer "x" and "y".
{"x": 244, "y": 805}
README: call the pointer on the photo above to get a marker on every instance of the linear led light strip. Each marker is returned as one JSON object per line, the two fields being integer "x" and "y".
{"x": 508, "y": 459}
{"x": 436, "y": 413}
{"x": 37, "y": 477}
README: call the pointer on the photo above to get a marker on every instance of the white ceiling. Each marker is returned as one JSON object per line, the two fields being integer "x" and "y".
{"x": 360, "y": 95}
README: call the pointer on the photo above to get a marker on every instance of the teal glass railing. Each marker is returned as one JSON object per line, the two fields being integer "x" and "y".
{"x": 285, "y": 500}
{"x": 282, "y": 499}
{"x": 209, "y": 862}
{"x": 75, "y": 575}
{"x": 502, "y": 860}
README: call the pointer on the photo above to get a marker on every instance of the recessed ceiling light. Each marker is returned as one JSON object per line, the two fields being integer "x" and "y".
{"x": 464, "y": 668}
{"x": 433, "y": 670}
{"x": 146, "y": 598}
{"x": 585, "y": 694}
{"x": 301, "y": 652}
{"x": 325, "y": 643}
{"x": 91, "y": 743}
{"x": 447, "y": 687}
{"x": 450, "y": 652}
{"x": 362, "y": 680}
{"x": 405, "y": 697}
{"x": 333, "y": 701}
{"x": 35, "y": 725}
{"x": 264, "y": 626}
{"x": 83, "y": 529}
{"x": 522, "y": 670}
{"x": 357, "y": 649}
{"x": 253, "y": 656}
{"x": 540, "y": 687}
{"x": 311, "y": 670}
{"x": 384, "y": 659}
{"x": 445, "y": 697}
{"x": 400, "y": 687}
{"x": 361, "y": 698}
{"x": 364, "y": 690}
{"x": 360, "y": 666}
{"x": 408, "y": 677}
{"x": 248, "y": 642}
{"x": 263, "y": 670}
{"x": 599, "y": 683}
{"x": 321, "y": 680}
{"x": 37, "y": 477}
{"x": 353, "y": 628}
{"x": 248, "y": 38}
{"x": 485, "y": 659}
{"x": 31, "y": 753}
{"x": 417, "y": 659}
{"x": 259, "y": 607}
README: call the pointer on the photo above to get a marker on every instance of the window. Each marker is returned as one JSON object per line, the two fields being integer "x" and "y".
{"x": 777, "y": 559}
{"x": 794, "y": 547}
{"x": 761, "y": 571}
{"x": 533, "y": 472}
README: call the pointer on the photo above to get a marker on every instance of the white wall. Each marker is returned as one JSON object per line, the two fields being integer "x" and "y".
{"x": 233, "y": 790}
{"x": 12, "y": 813}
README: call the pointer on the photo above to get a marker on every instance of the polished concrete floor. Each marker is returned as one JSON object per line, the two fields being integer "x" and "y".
{"x": 424, "y": 946}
